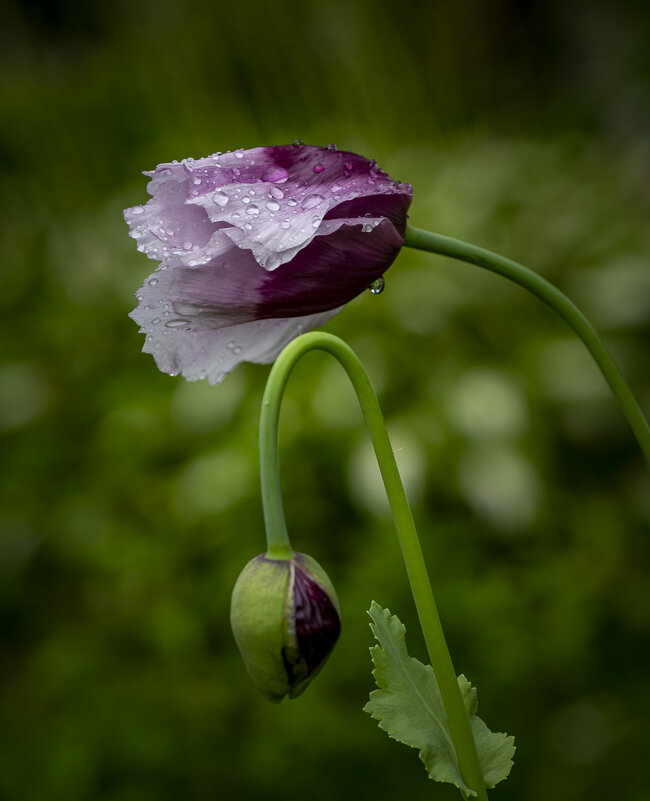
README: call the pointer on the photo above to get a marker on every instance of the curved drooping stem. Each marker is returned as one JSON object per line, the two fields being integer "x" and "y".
{"x": 279, "y": 546}
{"x": 556, "y": 300}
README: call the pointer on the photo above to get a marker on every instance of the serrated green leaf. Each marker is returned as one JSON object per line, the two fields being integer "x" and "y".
{"x": 409, "y": 707}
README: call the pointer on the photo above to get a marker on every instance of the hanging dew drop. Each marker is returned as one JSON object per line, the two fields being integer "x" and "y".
{"x": 377, "y": 286}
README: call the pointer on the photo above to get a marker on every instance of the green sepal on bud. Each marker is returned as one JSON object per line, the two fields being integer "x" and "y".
{"x": 286, "y": 620}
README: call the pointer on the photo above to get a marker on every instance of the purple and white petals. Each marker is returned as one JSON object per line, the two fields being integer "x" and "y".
{"x": 257, "y": 246}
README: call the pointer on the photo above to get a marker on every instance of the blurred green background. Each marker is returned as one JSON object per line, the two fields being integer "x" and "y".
{"x": 129, "y": 500}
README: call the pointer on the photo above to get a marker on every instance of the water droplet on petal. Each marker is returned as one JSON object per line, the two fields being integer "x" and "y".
{"x": 196, "y": 181}
{"x": 377, "y": 286}
{"x": 348, "y": 166}
{"x": 276, "y": 192}
{"x": 153, "y": 281}
{"x": 319, "y": 168}
{"x": 239, "y": 154}
{"x": 331, "y": 147}
{"x": 366, "y": 228}
{"x": 187, "y": 245}
{"x": 272, "y": 205}
{"x": 275, "y": 174}
{"x": 315, "y": 222}
{"x": 248, "y": 226}
{"x": 137, "y": 210}
{"x": 311, "y": 201}
{"x": 285, "y": 224}
{"x": 252, "y": 210}
{"x": 155, "y": 320}
{"x": 220, "y": 198}
{"x": 292, "y": 202}
{"x": 177, "y": 323}
{"x": 245, "y": 199}
{"x": 336, "y": 188}
{"x": 298, "y": 143}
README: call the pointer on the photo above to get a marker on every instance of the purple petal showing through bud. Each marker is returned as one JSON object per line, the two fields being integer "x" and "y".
{"x": 316, "y": 621}
{"x": 256, "y": 247}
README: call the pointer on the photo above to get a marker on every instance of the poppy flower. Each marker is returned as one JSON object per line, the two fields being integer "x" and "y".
{"x": 256, "y": 247}
{"x": 285, "y": 617}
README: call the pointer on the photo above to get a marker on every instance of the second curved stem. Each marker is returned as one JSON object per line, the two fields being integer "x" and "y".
{"x": 280, "y": 548}
{"x": 556, "y": 300}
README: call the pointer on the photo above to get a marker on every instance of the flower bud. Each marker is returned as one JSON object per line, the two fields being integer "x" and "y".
{"x": 285, "y": 617}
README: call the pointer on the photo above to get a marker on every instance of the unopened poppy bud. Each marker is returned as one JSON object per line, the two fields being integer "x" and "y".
{"x": 285, "y": 617}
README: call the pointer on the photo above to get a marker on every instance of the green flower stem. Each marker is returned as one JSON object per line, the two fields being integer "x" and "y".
{"x": 280, "y": 547}
{"x": 551, "y": 296}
